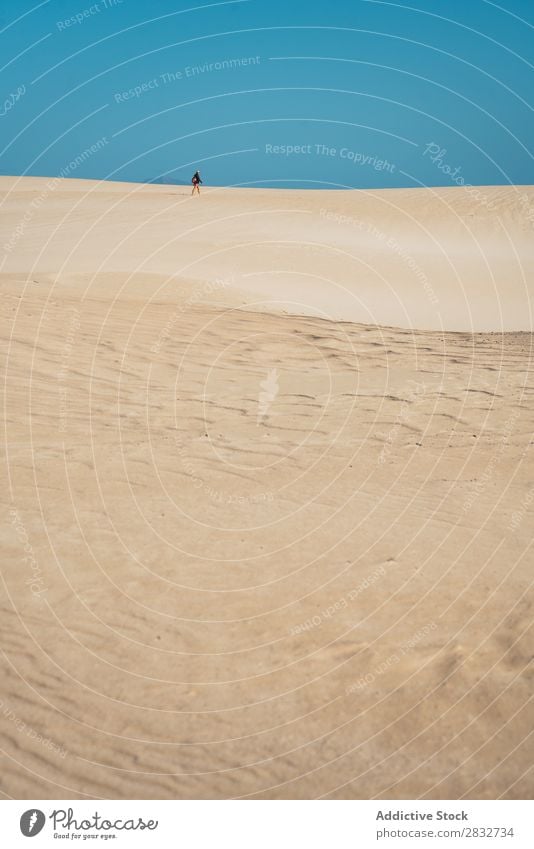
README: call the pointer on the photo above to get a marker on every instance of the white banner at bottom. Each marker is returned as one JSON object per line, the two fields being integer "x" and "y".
{"x": 238, "y": 824}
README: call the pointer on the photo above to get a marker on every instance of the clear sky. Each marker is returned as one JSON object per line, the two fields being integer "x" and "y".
{"x": 345, "y": 93}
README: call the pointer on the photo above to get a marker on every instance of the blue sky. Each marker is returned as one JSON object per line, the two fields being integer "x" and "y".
{"x": 346, "y": 93}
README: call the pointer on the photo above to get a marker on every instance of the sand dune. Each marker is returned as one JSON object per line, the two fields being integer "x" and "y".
{"x": 432, "y": 259}
{"x": 268, "y": 504}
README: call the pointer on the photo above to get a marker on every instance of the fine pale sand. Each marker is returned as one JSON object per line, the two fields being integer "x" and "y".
{"x": 269, "y": 492}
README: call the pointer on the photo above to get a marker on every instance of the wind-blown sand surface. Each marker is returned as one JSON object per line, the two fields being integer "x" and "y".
{"x": 262, "y": 538}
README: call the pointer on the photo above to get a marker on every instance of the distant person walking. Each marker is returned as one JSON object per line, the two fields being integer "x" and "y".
{"x": 196, "y": 183}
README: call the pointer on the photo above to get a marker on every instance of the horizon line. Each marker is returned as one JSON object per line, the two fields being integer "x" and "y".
{"x": 267, "y": 185}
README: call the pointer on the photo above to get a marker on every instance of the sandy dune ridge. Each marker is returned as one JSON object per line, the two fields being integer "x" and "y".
{"x": 267, "y": 517}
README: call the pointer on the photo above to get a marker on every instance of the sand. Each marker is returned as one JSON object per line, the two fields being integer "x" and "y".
{"x": 267, "y": 516}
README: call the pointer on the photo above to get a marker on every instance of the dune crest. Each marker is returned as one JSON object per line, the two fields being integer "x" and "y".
{"x": 427, "y": 259}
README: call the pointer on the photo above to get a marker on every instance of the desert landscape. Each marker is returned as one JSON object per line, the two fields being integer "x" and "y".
{"x": 268, "y": 500}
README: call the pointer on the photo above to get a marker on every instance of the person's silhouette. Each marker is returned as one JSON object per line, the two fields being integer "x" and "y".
{"x": 196, "y": 183}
